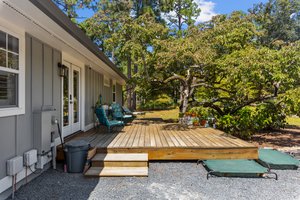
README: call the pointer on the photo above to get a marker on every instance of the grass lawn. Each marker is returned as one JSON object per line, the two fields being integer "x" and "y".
{"x": 294, "y": 121}
{"x": 164, "y": 114}
{"x": 173, "y": 115}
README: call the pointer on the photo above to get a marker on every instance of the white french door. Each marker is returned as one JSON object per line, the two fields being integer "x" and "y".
{"x": 71, "y": 99}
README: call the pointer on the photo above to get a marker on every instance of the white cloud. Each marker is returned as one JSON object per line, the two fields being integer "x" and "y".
{"x": 207, "y": 10}
{"x": 206, "y": 14}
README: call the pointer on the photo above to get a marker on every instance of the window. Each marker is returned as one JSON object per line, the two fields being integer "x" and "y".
{"x": 114, "y": 92}
{"x": 106, "y": 81}
{"x": 12, "y": 81}
{"x": 9, "y": 63}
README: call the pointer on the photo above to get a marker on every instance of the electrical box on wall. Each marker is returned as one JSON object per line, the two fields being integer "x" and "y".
{"x": 14, "y": 165}
{"x": 30, "y": 157}
{"x": 42, "y": 125}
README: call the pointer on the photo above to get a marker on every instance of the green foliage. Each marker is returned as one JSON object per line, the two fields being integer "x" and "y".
{"x": 231, "y": 33}
{"x": 293, "y": 101}
{"x": 201, "y": 112}
{"x": 243, "y": 67}
{"x": 275, "y": 21}
{"x": 162, "y": 102}
{"x": 181, "y": 13}
{"x": 246, "y": 74}
{"x": 249, "y": 119}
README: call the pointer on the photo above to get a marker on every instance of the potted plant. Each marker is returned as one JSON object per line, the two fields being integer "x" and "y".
{"x": 187, "y": 114}
{"x": 196, "y": 121}
{"x": 193, "y": 114}
{"x": 203, "y": 122}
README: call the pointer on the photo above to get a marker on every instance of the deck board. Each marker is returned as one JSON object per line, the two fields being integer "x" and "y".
{"x": 163, "y": 141}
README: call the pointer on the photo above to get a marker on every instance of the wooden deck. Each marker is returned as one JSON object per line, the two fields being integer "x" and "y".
{"x": 163, "y": 141}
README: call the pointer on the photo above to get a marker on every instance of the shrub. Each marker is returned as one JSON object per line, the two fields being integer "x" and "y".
{"x": 250, "y": 119}
{"x": 293, "y": 101}
{"x": 163, "y": 102}
{"x": 240, "y": 125}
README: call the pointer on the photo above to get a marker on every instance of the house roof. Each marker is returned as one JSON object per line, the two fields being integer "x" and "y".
{"x": 53, "y": 12}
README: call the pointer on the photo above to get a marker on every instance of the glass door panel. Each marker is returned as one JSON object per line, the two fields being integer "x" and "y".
{"x": 66, "y": 99}
{"x": 75, "y": 96}
{"x": 71, "y": 100}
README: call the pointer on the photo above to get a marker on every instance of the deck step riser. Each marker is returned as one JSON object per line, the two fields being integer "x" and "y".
{"x": 116, "y": 165}
{"x": 119, "y": 164}
{"x": 116, "y": 171}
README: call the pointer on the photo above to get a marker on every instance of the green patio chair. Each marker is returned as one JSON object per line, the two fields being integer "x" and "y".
{"x": 117, "y": 113}
{"x": 129, "y": 112}
{"x": 101, "y": 115}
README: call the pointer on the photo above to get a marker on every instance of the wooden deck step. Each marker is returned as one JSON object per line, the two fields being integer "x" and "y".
{"x": 119, "y": 164}
{"x": 117, "y": 171}
{"x": 120, "y": 160}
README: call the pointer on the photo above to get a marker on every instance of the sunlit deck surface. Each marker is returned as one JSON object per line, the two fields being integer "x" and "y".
{"x": 169, "y": 141}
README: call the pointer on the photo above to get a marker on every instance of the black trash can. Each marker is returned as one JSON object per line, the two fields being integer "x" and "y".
{"x": 75, "y": 154}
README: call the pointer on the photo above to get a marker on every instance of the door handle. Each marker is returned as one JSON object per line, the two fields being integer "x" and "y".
{"x": 70, "y": 99}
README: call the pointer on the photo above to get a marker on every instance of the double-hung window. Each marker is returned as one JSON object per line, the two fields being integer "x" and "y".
{"x": 114, "y": 92}
{"x": 11, "y": 75}
{"x": 9, "y": 63}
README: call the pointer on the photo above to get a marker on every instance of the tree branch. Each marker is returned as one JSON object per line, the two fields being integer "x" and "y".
{"x": 176, "y": 77}
{"x": 246, "y": 103}
{"x": 211, "y": 105}
{"x": 210, "y": 86}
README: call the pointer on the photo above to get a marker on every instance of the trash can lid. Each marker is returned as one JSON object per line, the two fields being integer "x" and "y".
{"x": 77, "y": 143}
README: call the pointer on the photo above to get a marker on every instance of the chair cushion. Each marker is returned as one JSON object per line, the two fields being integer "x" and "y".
{"x": 115, "y": 122}
{"x": 127, "y": 116}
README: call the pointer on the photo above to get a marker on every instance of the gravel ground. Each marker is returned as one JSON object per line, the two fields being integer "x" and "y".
{"x": 167, "y": 180}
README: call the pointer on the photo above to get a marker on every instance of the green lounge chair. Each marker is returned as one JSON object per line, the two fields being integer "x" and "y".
{"x": 236, "y": 168}
{"x": 117, "y": 112}
{"x": 274, "y": 159}
{"x": 127, "y": 111}
{"x": 101, "y": 115}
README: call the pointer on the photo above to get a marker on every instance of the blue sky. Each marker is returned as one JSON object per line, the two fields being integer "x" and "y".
{"x": 209, "y": 8}
{"x": 227, "y": 6}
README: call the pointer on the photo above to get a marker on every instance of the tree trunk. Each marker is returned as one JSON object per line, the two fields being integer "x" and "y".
{"x": 185, "y": 104}
{"x": 135, "y": 70}
{"x": 185, "y": 100}
{"x": 181, "y": 97}
{"x": 128, "y": 87}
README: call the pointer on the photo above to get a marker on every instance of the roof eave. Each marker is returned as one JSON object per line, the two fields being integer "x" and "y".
{"x": 53, "y": 12}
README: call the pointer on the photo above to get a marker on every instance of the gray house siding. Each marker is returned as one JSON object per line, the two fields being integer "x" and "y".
{"x": 94, "y": 86}
{"x": 8, "y": 142}
{"x": 107, "y": 93}
{"x": 43, "y": 89}
{"x": 119, "y": 91}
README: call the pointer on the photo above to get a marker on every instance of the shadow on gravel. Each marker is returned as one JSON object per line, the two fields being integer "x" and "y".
{"x": 58, "y": 185}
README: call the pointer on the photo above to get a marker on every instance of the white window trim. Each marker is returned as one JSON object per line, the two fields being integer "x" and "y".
{"x": 20, "y": 109}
